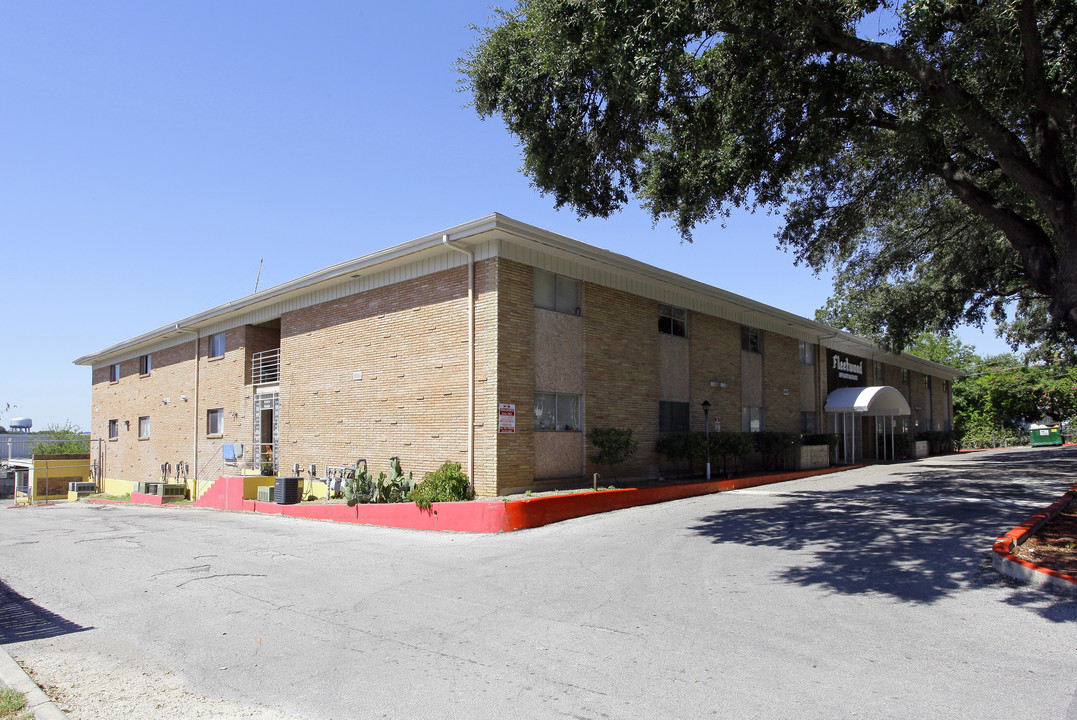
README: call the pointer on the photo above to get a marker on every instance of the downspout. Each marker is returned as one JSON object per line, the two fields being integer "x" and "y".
{"x": 470, "y": 356}
{"x": 194, "y": 430}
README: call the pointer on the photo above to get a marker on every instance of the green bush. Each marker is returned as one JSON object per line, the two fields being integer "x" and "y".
{"x": 730, "y": 449}
{"x": 682, "y": 448}
{"x": 938, "y": 441}
{"x": 614, "y": 445}
{"x": 446, "y": 484}
{"x": 776, "y": 448}
{"x": 62, "y": 440}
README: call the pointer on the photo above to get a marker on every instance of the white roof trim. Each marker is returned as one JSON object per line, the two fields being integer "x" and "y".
{"x": 877, "y": 401}
{"x": 504, "y": 229}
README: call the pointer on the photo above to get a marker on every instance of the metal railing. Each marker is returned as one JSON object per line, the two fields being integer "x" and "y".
{"x": 265, "y": 367}
{"x": 251, "y": 458}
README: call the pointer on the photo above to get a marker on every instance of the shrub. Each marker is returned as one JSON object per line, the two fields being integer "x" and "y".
{"x": 614, "y": 445}
{"x": 939, "y": 441}
{"x": 446, "y": 484}
{"x": 775, "y": 447}
{"x": 730, "y": 448}
{"x": 62, "y": 440}
{"x": 682, "y": 447}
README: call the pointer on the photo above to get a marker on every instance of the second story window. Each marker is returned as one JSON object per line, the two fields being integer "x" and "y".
{"x": 114, "y": 373}
{"x": 672, "y": 320}
{"x": 216, "y": 345}
{"x": 557, "y": 292}
{"x": 145, "y": 364}
{"x": 751, "y": 339}
{"x": 807, "y": 353}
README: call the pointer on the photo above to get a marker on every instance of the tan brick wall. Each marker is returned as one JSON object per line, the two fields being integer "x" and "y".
{"x": 488, "y": 376}
{"x": 781, "y": 383}
{"x": 175, "y": 424}
{"x": 409, "y": 341}
{"x": 222, "y": 384}
{"x": 171, "y": 425}
{"x": 621, "y": 371}
{"x": 714, "y": 354}
{"x": 516, "y": 375}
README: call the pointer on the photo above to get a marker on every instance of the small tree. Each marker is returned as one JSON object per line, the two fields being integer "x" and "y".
{"x": 62, "y": 440}
{"x": 614, "y": 445}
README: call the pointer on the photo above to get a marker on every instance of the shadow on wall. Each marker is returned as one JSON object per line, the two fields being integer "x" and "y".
{"x": 23, "y": 619}
{"x": 919, "y": 539}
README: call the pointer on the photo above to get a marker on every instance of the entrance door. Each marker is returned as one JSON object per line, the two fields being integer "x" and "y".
{"x": 266, "y": 430}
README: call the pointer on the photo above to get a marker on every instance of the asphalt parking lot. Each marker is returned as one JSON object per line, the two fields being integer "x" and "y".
{"x": 867, "y": 593}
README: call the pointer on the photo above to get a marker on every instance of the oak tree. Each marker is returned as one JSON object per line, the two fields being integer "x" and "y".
{"x": 923, "y": 150}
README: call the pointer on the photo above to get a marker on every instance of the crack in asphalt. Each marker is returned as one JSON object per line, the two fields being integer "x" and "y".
{"x": 222, "y": 575}
{"x": 193, "y": 568}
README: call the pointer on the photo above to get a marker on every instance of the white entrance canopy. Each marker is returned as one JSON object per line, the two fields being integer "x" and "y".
{"x": 881, "y": 400}
{"x": 852, "y": 403}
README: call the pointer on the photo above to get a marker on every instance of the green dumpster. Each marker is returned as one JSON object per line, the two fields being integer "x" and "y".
{"x": 1044, "y": 435}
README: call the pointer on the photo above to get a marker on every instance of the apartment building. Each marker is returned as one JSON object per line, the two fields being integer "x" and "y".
{"x": 494, "y": 344}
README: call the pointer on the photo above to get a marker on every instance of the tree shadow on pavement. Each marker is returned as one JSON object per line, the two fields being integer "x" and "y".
{"x": 22, "y": 619}
{"x": 923, "y": 536}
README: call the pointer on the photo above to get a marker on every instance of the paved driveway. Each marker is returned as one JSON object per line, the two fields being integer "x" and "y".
{"x": 867, "y": 593}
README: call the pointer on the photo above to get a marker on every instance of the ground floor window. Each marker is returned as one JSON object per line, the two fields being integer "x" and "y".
{"x": 113, "y": 429}
{"x": 752, "y": 419}
{"x": 808, "y": 424}
{"x": 557, "y": 412}
{"x": 144, "y": 427}
{"x": 672, "y": 416}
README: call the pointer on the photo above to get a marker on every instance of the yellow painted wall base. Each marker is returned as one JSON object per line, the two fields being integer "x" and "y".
{"x": 111, "y": 486}
{"x": 251, "y": 483}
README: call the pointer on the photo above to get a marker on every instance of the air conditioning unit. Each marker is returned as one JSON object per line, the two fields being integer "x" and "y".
{"x": 266, "y": 493}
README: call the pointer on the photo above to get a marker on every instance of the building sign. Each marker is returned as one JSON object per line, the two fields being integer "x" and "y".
{"x": 506, "y": 418}
{"x": 844, "y": 370}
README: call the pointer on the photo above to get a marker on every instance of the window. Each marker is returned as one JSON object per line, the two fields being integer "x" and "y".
{"x": 216, "y": 345}
{"x": 557, "y": 292}
{"x": 143, "y": 427}
{"x": 113, "y": 429}
{"x": 215, "y": 421}
{"x": 672, "y": 320}
{"x": 878, "y": 370}
{"x": 927, "y": 381}
{"x": 946, "y": 386}
{"x": 114, "y": 373}
{"x": 807, "y": 353}
{"x": 751, "y": 419}
{"x": 145, "y": 365}
{"x": 672, "y": 416}
{"x": 751, "y": 339}
{"x": 557, "y": 412}
{"x": 905, "y": 376}
{"x": 807, "y": 422}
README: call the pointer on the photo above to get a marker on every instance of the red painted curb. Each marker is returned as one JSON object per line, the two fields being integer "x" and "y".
{"x": 1005, "y": 543}
{"x": 536, "y": 512}
{"x": 479, "y": 516}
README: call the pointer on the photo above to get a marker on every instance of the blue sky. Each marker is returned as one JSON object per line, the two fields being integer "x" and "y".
{"x": 151, "y": 154}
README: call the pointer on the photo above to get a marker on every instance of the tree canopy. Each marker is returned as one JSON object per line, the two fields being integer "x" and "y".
{"x": 999, "y": 394}
{"x": 923, "y": 150}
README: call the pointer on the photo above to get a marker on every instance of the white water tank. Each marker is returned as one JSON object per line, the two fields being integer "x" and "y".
{"x": 21, "y": 424}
